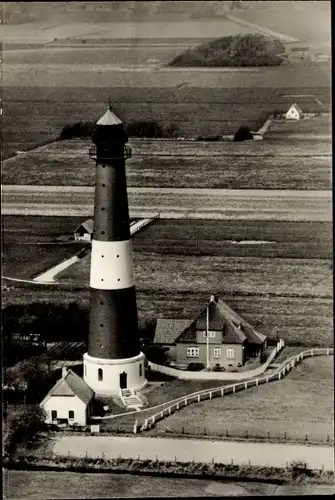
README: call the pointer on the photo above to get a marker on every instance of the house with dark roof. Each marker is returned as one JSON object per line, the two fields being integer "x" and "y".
{"x": 69, "y": 401}
{"x": 230, "y": 343}
{"x": 84, "y": 232}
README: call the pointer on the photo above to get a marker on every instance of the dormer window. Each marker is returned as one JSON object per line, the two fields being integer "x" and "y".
{"x": 211, "y": 334}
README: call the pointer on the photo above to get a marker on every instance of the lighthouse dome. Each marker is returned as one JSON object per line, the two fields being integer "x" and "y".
{"x": 109, "y": 129}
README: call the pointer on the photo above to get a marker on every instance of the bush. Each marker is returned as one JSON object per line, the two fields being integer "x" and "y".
{"x": 155, "y": 354}
{"x": 195, "y": 367}
{"x": 151, "y": 129}
{"x": 78, "y": 129}
{"x": 24, "y": 427}
{"x": 243, "y": 134}
{"x": 239, "y": 51}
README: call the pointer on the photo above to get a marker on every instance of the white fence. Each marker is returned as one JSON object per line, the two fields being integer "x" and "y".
{"x": 205, "y": 375}
{"x": 196, "y": 397}
{"x": 137, "y": 225}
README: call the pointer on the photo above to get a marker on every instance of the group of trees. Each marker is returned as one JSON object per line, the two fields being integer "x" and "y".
{"x": 47, "y": 321}
{"x": 237, "y": 51}
{"x": 24, "y": 429}
{"x": 136, "y": 128}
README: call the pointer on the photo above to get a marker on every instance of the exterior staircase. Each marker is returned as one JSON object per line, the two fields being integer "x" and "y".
{"x": 130, "y": 399}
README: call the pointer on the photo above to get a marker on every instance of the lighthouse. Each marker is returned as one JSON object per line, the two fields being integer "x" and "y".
{"x": 113, "y": 360}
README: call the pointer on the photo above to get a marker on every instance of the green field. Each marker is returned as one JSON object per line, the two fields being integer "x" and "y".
{"x": 59, "y": 484}
{"x": 267, "y": 164}
{"x": 32, "y": 245}
{"x": 283, "y": 286}
{"x": 188, "y": 260}
{"x": 36, "y": 114}
{"x": 300, "y": 404}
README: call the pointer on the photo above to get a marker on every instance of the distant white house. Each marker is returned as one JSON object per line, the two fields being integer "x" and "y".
{"x": 70, "y": 401}
{"x": 294, "y": 113}
{"x": 84, "y": 231}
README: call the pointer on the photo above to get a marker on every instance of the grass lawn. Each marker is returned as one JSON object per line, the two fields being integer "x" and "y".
{"x": 302, "y": 403}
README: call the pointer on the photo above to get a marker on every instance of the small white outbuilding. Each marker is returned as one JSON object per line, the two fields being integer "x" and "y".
{"x": 294, "y": 113}
{"x": 70, "y": 401}
{"x": 84, "y": 232}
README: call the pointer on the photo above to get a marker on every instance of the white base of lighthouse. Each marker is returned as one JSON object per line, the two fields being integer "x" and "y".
{"x": 108, "y": 376}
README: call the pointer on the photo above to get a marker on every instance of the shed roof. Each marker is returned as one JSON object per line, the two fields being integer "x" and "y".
{"x": 87, "y": 225}
{"x": 71, "y": 385}
{"x": 295, "y": 106}
{"x": 167, "y": 330}
{"x": 109, "y": 118}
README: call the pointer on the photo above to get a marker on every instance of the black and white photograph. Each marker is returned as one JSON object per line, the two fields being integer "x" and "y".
{"x": 166, "y": 253}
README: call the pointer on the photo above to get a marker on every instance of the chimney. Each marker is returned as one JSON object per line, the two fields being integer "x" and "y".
{"x": 64, "y": 372}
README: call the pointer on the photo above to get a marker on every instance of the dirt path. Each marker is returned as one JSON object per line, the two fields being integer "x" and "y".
{"x": 197, "y": 450}
{"x": 280, "y": 205}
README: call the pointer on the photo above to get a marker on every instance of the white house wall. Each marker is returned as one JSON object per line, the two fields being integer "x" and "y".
{"x": 62, "y": 404}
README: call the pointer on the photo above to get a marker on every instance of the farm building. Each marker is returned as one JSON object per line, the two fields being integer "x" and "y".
{"x": 70, "y": 401}
{"x": 217, "y": 337}
{"x": 84, "y": 231}
{"x": 294, "y": 113}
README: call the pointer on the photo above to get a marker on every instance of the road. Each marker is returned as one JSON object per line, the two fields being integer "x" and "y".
{"x": 276, "y": 205}
{"x": 197, "y": 450}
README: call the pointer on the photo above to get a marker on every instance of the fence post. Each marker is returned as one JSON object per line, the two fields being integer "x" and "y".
{"x": 256, "y": 381}
{"x": 306, "y": 437}
{"x": 169, "y": 410}
{"x": 268, "y": 434}
{"x": 327, "y": 438}
{"x": 186, "y": 402}
{"x": 312, "y": 352}
{"x": 267, "y": 379}
{"x": 205, "y": 431}
{"x": 227, "y": 433}
{"x": 210, "y": 395}
{"x": 328, "y": 350}
{"x": 285, "y": 435}
{"x": 135, "y": 427}
{"x": 198, "y": 398}
{"x": 279, "y": 375}
{"x": 246, "y": 433}
{"x": 222, "y": 392}
{"x": 182, "y": 430}
{"x": 177, "y": 406}
{"x": 233, "y": 388}
{"x": 162, "y": 414}
{"x": 246, "y": 385}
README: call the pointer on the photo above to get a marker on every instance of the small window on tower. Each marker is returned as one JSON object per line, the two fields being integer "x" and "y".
{"x": 100, "y": 375}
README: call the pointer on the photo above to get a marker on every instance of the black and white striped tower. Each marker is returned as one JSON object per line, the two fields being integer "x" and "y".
{"x": 114, "y": 360}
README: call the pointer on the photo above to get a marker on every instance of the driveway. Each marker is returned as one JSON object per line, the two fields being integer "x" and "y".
{"x": 197, "y": 450}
